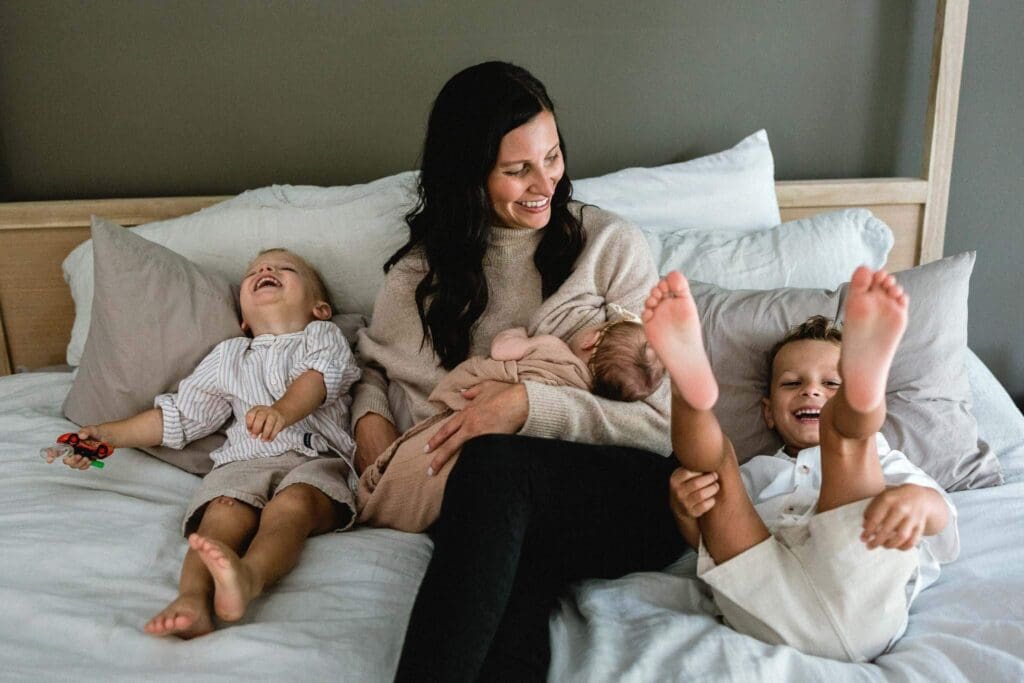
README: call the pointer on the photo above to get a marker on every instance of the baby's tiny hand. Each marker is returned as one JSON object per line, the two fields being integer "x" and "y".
{"x": 693, "y": 493}
{"x": 264, "y": 422}
{"x": 896, "y": 518}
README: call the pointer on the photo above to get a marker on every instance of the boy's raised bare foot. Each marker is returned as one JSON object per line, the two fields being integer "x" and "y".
{"x": 673, "y": 330}
{"x": 876, "y": 315}
{"x": 233, "y": 582}
{"x": 187, "y": 616}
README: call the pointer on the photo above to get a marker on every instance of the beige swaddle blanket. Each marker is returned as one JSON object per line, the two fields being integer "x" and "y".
{"x": 395, "y": 491}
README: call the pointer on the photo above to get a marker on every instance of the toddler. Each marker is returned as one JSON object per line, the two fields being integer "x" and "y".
{"x": 276, "y": 480}
{"x": 612, "y": 359}
{"x": 823, "y": 545}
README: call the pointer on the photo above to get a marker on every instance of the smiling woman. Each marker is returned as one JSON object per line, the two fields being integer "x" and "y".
{"x": 528, "y": 170}
{"x": 496, "y": 243}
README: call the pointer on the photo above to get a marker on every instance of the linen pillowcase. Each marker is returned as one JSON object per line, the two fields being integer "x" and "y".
{"x": 928, "y": 395}
{"x": 346, "y": 233}
{"x": 818, "y": 251}
{"x": 731, "y": 190}
{"x": 157, "y": 315}
{"x": 154, "y": 317}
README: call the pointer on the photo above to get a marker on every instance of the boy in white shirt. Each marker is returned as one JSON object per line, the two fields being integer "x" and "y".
{"x": 271, "y": 486}
{"x": 823, "y": 545}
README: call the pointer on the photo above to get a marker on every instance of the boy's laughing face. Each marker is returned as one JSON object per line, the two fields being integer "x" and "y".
{"x": 277, "y": 290}
{"x": 805, "y": 375}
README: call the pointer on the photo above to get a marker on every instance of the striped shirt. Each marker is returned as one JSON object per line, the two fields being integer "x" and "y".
{"x": 241, "y": 373}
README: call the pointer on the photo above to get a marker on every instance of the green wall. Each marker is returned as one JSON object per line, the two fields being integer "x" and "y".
{"x": 120, "y": 99}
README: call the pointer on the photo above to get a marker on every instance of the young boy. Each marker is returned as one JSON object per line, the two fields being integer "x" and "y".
{"x": 286, "y": 387}
{"x": 842, "y": 533}
{"x": 612, "y": 359}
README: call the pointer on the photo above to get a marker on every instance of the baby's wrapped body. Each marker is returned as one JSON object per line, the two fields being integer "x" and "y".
{"x": 396, "y": 491}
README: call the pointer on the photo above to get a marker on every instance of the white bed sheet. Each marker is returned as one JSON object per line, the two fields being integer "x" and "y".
{"x": 88, "y": 557}
{"x": 968, "y": 626}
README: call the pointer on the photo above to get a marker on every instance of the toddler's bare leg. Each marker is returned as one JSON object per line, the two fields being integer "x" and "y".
{"x": 876, "y": 315}
{"x": 232, "y": 523}
{"x": 672, "y": 327}
{"x": 732, "y": 525}
{"x": 293, "y": 514}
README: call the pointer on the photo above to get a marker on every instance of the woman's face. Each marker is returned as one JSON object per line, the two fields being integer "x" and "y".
{"x": 524, "y": 177}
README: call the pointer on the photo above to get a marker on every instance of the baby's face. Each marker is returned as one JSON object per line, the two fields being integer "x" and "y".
{"x": 277, "y": 287}
{"x": 805, "y": 375}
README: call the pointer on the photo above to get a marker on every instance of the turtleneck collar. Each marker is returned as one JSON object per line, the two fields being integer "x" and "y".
{"x": 507, "y": 237}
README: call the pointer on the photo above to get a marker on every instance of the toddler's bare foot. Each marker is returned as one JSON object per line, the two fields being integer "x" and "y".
{"x": 187, "y": 616}
{"x": 673, "y": 330}
{"x": 233, "y": 582}
{"x": 876, "y": 315}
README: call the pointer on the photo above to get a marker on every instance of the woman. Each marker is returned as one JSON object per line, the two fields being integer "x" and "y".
{"x": 495, "y": 243}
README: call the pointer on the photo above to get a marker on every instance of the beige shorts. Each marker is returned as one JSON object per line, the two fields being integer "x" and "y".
{"x": 816, "y": 588}
{"x": 255, "y": 481}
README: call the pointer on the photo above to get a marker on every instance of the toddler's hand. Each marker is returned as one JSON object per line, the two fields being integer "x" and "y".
{"x": 896, "y": 518}
{"x": 264, "y": 422}
{"x": 73, "y": 460}
{"x": 693, "y": 493}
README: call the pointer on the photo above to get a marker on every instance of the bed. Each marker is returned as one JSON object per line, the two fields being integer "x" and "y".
{"x": 88, "y": 559}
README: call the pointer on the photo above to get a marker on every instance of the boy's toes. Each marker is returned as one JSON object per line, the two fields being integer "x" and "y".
{"x": 861, "y": 278}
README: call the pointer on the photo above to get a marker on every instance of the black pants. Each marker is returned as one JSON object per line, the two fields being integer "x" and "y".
{"x": 521, "y": 519}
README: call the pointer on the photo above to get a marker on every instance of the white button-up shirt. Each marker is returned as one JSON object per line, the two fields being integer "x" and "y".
{"x": 241, "y": 373}
{"x": 785, "y": 493}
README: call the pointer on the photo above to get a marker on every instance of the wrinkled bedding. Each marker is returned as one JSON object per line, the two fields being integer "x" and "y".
{"x": 89, "y": 556}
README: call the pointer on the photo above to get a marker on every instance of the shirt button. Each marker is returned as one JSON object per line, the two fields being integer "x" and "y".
{"x": 790, "y": 509}
{"x": 804, "y": 469}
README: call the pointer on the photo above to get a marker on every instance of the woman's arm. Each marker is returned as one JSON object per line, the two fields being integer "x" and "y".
{"x": 617, "y": 266}
{"x": 575, "y": 415}
{"x": 374, "y": 433}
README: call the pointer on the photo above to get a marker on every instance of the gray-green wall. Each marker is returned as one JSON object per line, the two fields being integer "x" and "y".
{"x": 120, "y": 99}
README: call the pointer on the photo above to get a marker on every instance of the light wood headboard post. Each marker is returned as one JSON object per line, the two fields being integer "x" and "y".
{"x": 940, "y": 126}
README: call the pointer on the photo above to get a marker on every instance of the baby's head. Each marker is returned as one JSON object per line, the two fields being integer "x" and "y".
{"x": 623, "y": 366}
{"x": 804, "y": 367}
{"x": 281, "y": 293}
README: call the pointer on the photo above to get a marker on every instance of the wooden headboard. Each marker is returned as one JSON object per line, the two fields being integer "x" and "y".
{"x": 36, "y": 310}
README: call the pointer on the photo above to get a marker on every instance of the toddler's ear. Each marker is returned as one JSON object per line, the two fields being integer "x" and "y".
{"x": 245, "y": 327}
{"x": 322, "y": 310}
{"x": 766, "y": 413}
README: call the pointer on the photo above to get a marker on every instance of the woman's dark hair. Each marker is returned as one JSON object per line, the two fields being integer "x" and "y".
{"x": 451, "y": 222}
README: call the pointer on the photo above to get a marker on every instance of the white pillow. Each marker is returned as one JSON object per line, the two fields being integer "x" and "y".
{"x": 346, "y": 233}
{"x": 820, "y": 251}
{"x": 731, "y": 190}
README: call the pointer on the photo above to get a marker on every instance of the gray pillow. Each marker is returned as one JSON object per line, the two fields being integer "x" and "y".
{"x": 155, "y": 315}
{"x": 928, "y": 395}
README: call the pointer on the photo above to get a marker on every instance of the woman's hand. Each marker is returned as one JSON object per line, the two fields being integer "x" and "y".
{"x": 374, "y": 433}
{"x": 496, "y": 408}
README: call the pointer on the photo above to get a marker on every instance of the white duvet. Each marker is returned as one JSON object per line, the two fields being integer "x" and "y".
{"x": 87, "y": 557}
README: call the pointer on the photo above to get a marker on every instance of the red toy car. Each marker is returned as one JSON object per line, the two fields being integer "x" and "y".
{"x": 88, "y": 448}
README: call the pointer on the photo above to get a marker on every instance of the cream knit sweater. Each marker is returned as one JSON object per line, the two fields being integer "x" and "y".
{"x": 614, "y": 267}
